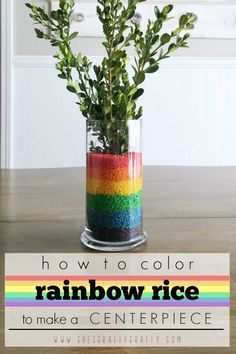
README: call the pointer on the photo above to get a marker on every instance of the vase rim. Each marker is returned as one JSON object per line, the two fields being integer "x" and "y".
{"x": 114, "y": 120}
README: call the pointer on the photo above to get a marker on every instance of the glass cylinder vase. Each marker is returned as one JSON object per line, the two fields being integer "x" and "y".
{"x": 114, "y": 220}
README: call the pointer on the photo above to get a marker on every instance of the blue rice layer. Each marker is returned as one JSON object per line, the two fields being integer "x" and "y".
{"x": 120, "y": 220}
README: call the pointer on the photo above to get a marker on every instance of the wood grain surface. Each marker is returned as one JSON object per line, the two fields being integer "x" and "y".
{"x": 186, "y": 209}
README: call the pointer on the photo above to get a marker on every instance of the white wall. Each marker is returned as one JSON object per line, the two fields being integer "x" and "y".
{"x": 189, "y": 104}
{"x": 189, "y": 115}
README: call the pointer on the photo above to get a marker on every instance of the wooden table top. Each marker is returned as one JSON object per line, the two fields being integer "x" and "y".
{"x": 186, "y": 209}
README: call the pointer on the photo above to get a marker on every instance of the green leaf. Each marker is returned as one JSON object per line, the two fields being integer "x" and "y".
{"x": 152, "y": 61}
{"x": 140, "y": 113}
{"x": 191, "y": 17}
{"x": 73, "y": 36}
{"x": 157, "y": 11}
{"x": 29, "y": 5}
{"x": 186, "y": 36}
{"x": 140, "y": 78}
{"x": 183, "y": 20}
{"x": 54, "y": 15}
{"x": 165, "y": 38}
{"x": 133, "y": 90}
{"x": 167, "y": 9}
{"x": 189, "y": 26}
{"x": 71, "y": 88}
{"x": 61, "y": 76}
{"x": 39, "y": 33}
{"x": 96, "y": 69}
{"x": 152, "y": 69}
{"x": 172, "y": 47}
{"x": 130, "y": 106}
{"x": 139, "y": 93}
{"x": 155, "y": 39}
{"x": 62, "y": 4}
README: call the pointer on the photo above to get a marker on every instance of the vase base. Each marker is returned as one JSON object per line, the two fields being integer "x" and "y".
{"x": 105, "y": 246}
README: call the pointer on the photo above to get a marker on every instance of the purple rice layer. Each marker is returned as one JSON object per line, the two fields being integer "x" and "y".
{"x": 114, "y": 235}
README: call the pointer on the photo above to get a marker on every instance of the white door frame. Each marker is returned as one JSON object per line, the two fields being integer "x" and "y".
{"x": 6, "y": 80}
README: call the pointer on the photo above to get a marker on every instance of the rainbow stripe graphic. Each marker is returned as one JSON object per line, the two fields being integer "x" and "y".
{"x": 20, "y": 291}
{"x": 114, "y": 196}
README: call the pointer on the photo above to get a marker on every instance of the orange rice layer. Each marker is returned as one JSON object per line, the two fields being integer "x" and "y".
{"x": 115, "y": 174}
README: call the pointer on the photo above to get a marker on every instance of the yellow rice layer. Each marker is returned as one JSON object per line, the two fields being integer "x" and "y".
{"x": 99, "y": 186}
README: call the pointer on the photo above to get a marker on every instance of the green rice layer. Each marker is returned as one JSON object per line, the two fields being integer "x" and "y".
{"x": 101, "y": 202}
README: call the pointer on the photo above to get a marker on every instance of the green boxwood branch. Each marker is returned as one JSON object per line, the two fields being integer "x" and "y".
{"x": 106, "y": 92}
